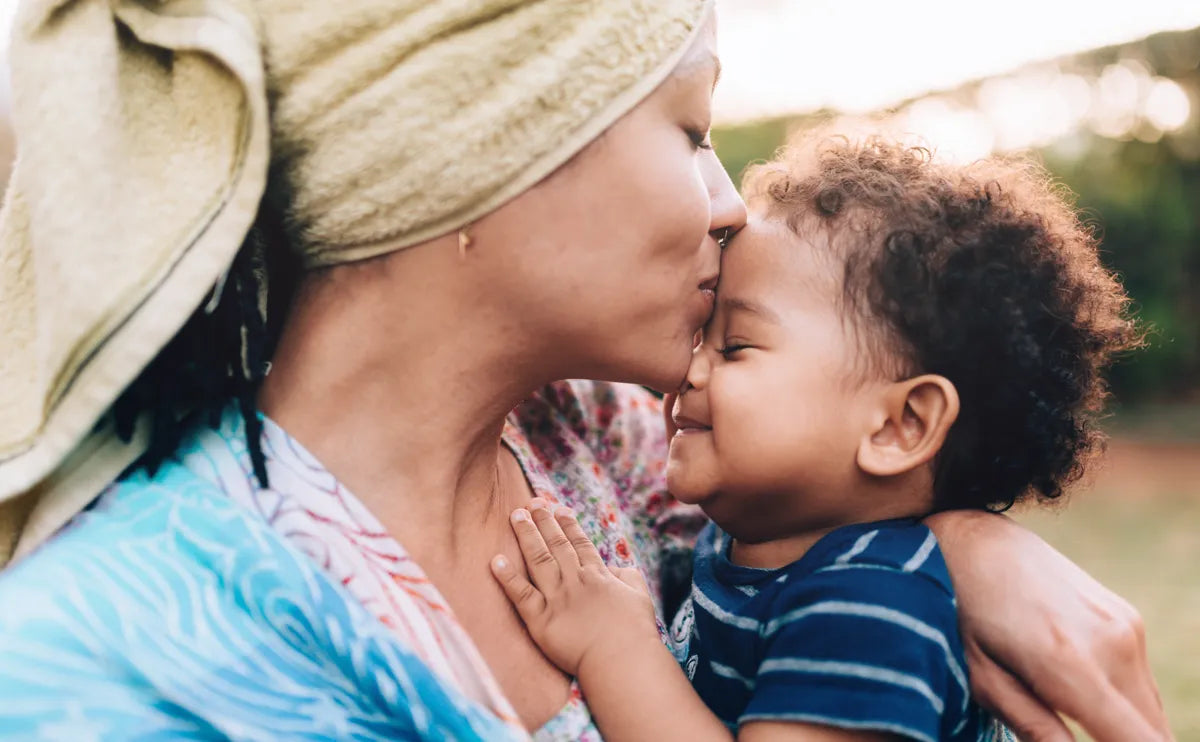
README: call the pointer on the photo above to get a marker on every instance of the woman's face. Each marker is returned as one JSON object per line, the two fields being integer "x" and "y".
{"x": 616, "y": 253}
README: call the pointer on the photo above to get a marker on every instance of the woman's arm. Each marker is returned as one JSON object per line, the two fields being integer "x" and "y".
{"x": 1042, "y": 637}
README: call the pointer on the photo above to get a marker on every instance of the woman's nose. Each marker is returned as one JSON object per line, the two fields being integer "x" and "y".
{"x": 727, "y": 208}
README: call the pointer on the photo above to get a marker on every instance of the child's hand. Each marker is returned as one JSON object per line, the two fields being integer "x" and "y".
{"x": 577, "y": 609}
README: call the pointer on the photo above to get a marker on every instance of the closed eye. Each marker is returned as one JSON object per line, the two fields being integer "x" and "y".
{"x": 700, "y": 139}
{"x": 732, "y": 349}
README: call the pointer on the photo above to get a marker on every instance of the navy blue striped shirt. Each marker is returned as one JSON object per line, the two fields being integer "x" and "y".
{"x": 860, "y": 633}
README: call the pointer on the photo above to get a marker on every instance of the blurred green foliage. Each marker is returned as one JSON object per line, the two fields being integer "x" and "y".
{"x": 1143, "y": 198}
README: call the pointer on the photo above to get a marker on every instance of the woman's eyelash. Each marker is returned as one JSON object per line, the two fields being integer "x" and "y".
{"x": 700, "y": 138}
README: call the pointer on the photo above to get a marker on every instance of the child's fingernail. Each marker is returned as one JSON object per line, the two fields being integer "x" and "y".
{"x": 500, "y": 562}
{"x": 537, "y": 502}
{"x": 563, "y": 511}
{"x": 520, "y": 515}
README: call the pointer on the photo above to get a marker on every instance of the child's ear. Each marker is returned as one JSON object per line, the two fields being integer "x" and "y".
{"x": 909, "y": 425}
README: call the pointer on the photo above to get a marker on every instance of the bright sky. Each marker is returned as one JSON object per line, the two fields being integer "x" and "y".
{"x": 786, "y": 56}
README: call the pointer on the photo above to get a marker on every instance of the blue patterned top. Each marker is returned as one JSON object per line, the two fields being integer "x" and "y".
{"x": 258, "y": 642}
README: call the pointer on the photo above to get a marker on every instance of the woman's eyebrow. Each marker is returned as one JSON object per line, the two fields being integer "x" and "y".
{"x": 738, "y": 304}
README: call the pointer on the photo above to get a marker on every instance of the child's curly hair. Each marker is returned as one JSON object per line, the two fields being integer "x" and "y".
{"x": 983, "y": 274}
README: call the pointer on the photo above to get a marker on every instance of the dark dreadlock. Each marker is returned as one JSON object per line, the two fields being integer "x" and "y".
{"x": 220, "y": 355}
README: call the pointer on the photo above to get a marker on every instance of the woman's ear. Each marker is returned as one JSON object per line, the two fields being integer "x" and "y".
{"x": 909, "y": 425}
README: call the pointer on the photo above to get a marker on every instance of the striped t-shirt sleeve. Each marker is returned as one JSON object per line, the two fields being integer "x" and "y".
{"x": 867, "y": 647}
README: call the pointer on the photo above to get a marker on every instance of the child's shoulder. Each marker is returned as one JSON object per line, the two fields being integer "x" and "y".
{"x": 866, "y": 620}
{"x": 901, "y": 550}
{"x": 890, "y": 571}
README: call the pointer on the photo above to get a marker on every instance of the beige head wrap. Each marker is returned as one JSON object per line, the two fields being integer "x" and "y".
{"x": 145, "y": 142}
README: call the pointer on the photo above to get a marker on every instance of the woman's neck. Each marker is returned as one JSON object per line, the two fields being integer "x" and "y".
{"x": 404, "y": 400}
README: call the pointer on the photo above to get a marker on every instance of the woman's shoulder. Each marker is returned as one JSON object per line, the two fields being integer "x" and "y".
{"x": 145, "y": 557}
{"x": 132, "y": 512}
{"x": 109, "y": 605}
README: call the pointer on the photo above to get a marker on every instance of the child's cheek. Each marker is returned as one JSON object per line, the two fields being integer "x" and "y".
{"x": 740, "y": 413}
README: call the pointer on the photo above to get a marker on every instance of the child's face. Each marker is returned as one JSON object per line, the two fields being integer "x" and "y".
{"x": 773, "y": 409}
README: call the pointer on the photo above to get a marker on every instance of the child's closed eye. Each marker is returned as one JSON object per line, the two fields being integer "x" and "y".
{"x": 730, "y": 349}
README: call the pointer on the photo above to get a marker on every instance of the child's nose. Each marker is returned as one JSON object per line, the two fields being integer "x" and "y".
{"x": 697, "y": 374}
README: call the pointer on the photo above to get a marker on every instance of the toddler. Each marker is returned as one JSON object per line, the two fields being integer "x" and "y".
{"x": 893, "y": 336}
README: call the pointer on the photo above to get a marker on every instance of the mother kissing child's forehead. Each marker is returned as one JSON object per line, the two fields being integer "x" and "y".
{"x": 894, "y": 337}
{"x": 430, "y": 221}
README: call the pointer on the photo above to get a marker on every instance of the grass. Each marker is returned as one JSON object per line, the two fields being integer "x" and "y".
{"x": 1136, "y": 528}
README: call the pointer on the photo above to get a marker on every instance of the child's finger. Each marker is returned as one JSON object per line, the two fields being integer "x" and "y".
{"x": 556, "y": 540}
{"x": 542, "y": 566}
{"x": 527, "y": 599}
{"x": 588, "y": 556}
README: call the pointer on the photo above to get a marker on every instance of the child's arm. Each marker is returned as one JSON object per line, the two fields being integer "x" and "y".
{"x": 598, "y": 624}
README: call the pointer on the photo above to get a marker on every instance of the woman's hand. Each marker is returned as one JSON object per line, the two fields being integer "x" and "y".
{"x": 575, "y": 607}
{"x": 1042, "y": 637}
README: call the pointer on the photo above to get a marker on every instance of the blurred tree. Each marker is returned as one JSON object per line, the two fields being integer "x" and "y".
{"x": 741, "y": 145}
{"x": 1145, "y": 200}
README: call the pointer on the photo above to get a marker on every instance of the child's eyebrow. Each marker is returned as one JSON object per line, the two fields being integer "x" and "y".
{"x": 736, "y": 303}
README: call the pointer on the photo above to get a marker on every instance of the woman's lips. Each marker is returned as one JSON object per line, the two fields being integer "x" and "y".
{"x": 708, "y": 294}
{"x": 702, "y": 308}
{"x": 708, "y": 289}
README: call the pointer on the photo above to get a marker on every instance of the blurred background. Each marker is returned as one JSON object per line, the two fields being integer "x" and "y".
{"x": 1108, "y": 95}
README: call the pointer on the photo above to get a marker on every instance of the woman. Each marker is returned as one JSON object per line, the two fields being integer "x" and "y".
{"x": 489, "y": 197}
